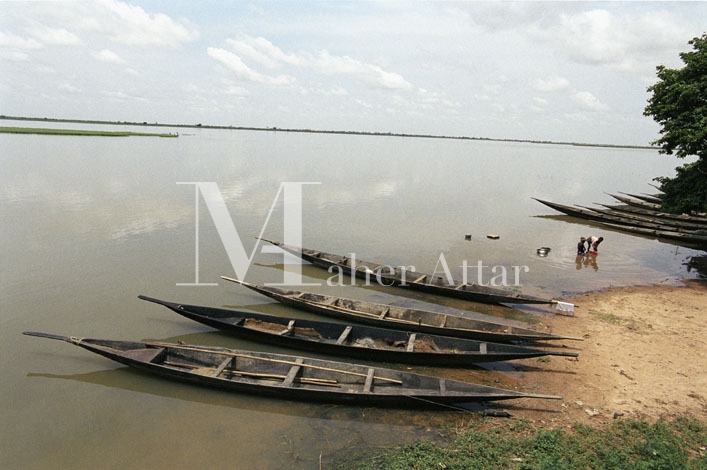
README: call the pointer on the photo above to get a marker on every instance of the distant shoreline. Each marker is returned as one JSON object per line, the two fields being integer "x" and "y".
{"x": 79, "y": 132}
{"x": 319, "y": 131}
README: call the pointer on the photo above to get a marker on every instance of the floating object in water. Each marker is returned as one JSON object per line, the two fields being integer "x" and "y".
{"x": 543, "y": 251}
{"x": 493, "y": 236}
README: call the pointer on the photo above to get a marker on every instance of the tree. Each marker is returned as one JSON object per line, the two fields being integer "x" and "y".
{"x": 679, "y": 104}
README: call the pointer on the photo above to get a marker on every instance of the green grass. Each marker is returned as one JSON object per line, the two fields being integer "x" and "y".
{"x": 44, "y": 131}
{"x": 626, "y": 444}
{"x": 629, "y": 323}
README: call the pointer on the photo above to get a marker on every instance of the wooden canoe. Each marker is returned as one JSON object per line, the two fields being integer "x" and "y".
{"x": 409, "y": 279}
{"x": 610, "y": 217}
{"x": 694, "y": 237}
{"x": 625, "y": 208}
{"x": 480, "y": 327}
{"x": 637, "y": 202}
{"x": 290, "y": 377}
{"x": 354, "y": 341}
{"x": 652, "y": 198}
{"x": 663, "y": 222}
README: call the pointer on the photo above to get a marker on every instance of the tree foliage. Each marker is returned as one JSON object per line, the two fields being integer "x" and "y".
{"x": 679, "y": 105}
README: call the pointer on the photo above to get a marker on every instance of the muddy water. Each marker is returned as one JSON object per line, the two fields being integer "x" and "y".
{"x": 88, "y": 223}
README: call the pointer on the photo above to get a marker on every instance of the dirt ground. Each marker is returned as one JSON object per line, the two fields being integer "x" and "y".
{"x": 644, "y": 355}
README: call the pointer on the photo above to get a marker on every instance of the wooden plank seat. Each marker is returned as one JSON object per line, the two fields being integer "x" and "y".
{"x": 344, "y": 335}
{"x": 369, "y": 380}
{"x": 225, "y": 363}
{"x": 290, "y": 377}
{"x": 411, "y": 342}
{"x": 289, "y": 330}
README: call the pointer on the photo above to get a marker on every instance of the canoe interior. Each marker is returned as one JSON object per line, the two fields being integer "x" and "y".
{"x": 391, "y": 316}
{"x": 294, "y": 376}
{"x": 395, "y": 276}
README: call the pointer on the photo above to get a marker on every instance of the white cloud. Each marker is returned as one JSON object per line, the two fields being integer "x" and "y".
{"x": 624, "y": 40}
{"x": 540, "y": 101}
{"x": 128, "y": 24}
{"x": 370, "y": 74}
{"x": 14, "y": 56}
{"x": 265, "y": 53}
{"x": 108, "y": 56}
{"x": 69, "y": 88}
{"x": 588, "y": 101}
{"x": 54, "y": 36}
{"x": 11, "y": 40}
{"x": 551, "y": 84}
{"x": 242, "y": 71}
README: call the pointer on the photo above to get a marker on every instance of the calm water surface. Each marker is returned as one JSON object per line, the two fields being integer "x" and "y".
{"x": 89, "y": 223}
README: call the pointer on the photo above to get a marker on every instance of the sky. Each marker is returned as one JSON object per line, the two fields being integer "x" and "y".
{"x": 557, "y": 71}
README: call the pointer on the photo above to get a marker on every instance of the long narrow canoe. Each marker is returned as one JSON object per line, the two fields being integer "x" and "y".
{"x": 409, "y": 279}
{"x": 694, "y": 237}
{"x": 637, "y": 202}
{"x": 688, "y": 238}
{"x": 652, "y": 198}
{"x": 354, "y": 341}
{"x": 289, "y": 377}
{"x": 693, "y": 219}
{"x": 607, "y": 216}
{"x": 401, "y": 318}
{"x": 664, "y": 222}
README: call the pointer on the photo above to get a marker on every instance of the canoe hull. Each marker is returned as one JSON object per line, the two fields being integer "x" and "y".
{"x": 352, "y": 341}
{"x": 399, "y": 318}
{"x": 291, "y": 377}
{"x": 394, "y": 277}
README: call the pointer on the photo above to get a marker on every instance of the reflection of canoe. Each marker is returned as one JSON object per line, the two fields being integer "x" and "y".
{"x": 362, "y": 342}
{"x": 290, "y": 377}
{"x": 408, "y": 278}
{"x": 401, "y": 318}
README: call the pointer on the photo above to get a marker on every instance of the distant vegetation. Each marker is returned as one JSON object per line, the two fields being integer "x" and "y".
{"x": 38, "y": 130}
{"x": 315, "y": 131}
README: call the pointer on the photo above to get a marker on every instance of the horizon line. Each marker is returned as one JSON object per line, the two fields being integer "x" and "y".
{"x": 323, "y": 131}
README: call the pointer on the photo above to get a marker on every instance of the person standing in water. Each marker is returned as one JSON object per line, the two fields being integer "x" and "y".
{"x": 593, "y": 243}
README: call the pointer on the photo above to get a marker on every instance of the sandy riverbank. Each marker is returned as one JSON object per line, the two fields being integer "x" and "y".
{"x": 644, "y": 355}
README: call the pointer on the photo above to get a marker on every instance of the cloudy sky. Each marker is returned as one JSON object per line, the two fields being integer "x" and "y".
{"x": 563, "y": 71}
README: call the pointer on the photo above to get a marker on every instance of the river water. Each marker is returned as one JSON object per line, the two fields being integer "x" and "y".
{"x": 89, "y": 223}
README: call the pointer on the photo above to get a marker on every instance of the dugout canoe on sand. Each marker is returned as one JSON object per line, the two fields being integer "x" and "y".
{"x": 290, "y": 377}
{"x": 354, "y": 341}
{"x": 408, "y": 279}
{"x": 401, "y": 318}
